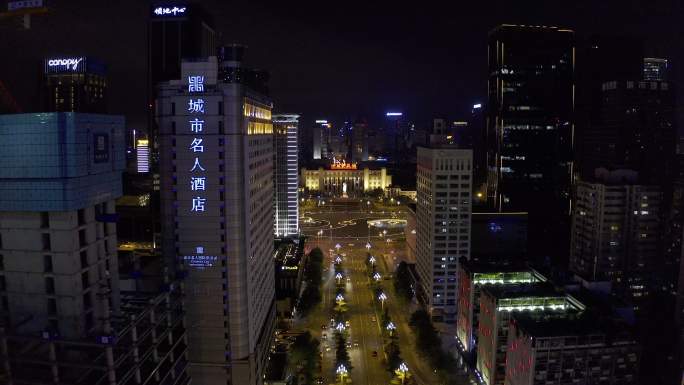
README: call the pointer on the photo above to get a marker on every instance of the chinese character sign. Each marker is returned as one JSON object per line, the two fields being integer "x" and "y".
{"x": 198, "y": 182}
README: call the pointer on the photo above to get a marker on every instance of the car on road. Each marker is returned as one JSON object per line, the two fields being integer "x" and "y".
{"x": 349, "y": 345}
{"x": 325, "y": 335}
{"x": 372, "y": 318}
{"x": 375, "y": 353}
{"x": 346, "y": 323}
{"x": 348, "y": 279}
{"x": 324, "y": 326}
{"x": 356, "y": 344}
{"x": 327, "y": 349}
{"x": 319, "y": 380}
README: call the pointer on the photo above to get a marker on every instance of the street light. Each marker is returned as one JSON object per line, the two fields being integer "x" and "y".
{"x": 382, "y": 297}
{"x": 340, "y": 327}
{"x": 368, "y": 246}
{"x": 391, "y": 327}
{"x": 372, "y": 260}
{"x": 342, "y": 371}
{"x": 338, "y": 246}
{"x": 376, "y": 276}
{"x": 338, "y": 276}
{"x": 402, "y": 370}
{"x": 338, "y": 260}
{"x": 339, "y": 298}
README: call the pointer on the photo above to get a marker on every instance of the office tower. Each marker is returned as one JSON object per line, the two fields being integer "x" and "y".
{"x": 530, "y": 115}
{"x": 359, "y": 141}
{"x": 286, "y": 172}
{"x": 395, "y": 137}
{"x": 600, "y": 59}
{"x": 616, "y": 231}
{"x": 174, "y": 33}
{"x": 64, "y": 317}
{"x": 497, "y": 305}
{"x": 573, "y": 350}
{"x": 478, "y": 128}
{"x": 498, "y": 236}
{"x": 321, "y": 139}
{"x": 655, "y": 69}
{"x": 636, "y": 131}
{"x": 217, "y": 214}
{"x": 462, "y": 134}
{"x": 74, "y": 84}
{"x": 473, "y": 276}
{"x": 444, "y": 177}
{"x": 142, "y": 152}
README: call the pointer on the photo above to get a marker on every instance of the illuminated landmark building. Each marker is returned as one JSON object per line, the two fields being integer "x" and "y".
{"x": 217, "y": 213}
{"x": 74, "y": 84}
{"x": 64, "y": 319}
{"x": 530, "y": 128}
{"x": 345, "y": 178}
{"x": 286, "y": 172}
{"x": 444, "y": 180}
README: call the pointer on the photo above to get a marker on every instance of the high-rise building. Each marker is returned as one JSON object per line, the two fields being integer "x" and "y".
{"x": 616, "y": 231}
{"x": 74, "y": 84}
{"x": 655, "y": 69}
{"x": 636, "y": 131}
{"x": 530, "y": 129}
{"x": 359, "y": 141}
{"x": 321, "y": 139}
{"x": 142, "y": 155}
{"x": 444, "y": 177}
{"x": 497, "y": 305}
{"x": 570, "y": 350}
{"x": 217, "y": 213}
{"x": 63, "y": 315}
{"x": 286, "y": 172}
{"x": 174, "y": 33}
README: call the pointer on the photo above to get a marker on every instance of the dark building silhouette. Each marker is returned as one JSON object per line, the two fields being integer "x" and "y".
{"x": 530, "y": 129}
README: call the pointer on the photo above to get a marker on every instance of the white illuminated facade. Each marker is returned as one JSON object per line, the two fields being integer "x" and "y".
{"x": 142, "y": 152}
{"x": 285, "y": 169}
{"x": 443, "y": 217}
{"x": 216, "y": 157}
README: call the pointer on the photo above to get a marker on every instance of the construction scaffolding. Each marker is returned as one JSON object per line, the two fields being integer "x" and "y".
{"x": 144, "y": 345}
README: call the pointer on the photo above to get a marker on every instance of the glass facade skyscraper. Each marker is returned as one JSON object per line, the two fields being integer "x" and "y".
{"x": 285, "y": 169}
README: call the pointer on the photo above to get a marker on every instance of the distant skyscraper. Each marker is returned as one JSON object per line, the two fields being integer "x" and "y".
{"x": 636, "y": 131}
{"x": 142, "y": 151}
{"x": 359, "y": 141}
{"x": 321, "y": 139}
{"x": 74, "y": 84}
{"x": 217, "y": 214}
{"x": 286, "y": 172}
{"x": 444, "y": 177}
{"x": 62, "y": 310}
{"x": 616, "y": 231}
{"x": 655, "y": 68}
{"x": 530, "y": 116}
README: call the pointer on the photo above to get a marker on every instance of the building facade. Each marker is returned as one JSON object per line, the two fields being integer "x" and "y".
{"x": 217, "y": 215}
{"x": 497, "y": 305}
{"x": 286, "y": 173}
{"x": 570, "y": 351}
{"x": 655, "y": 69}
{"x": 472, "y": 278}
{"x": 616, "y": 232}
{"x": 62, "y": 308}
{"x": 530, "y": 131}
{"x": 444, "y": 180}
{"x": 343, "y": 178}
{"x": 74, "y": 84}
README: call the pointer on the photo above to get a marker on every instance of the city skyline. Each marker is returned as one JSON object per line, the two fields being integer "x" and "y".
{"x": 309, "y": 50}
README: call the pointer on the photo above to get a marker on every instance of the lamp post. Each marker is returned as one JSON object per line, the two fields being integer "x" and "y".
{"x": 391, "y": 327}
{"x": 402, "y": 371}
{"x": 372, "y": 260}
{"x": 339, "y": 298}
{"x": 340, "y": 327}
{"x": 339, "y": 277}
{"x": 376, "y": 276}
{"x": 382, "y": 297}
{"x": 342, "y": 372}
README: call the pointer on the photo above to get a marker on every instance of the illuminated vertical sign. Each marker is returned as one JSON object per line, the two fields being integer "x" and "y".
{"x": 196, "y": 147}
{"x": 143, "y": 155}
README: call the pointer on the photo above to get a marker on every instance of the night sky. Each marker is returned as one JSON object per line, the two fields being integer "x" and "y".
{"x": 332, "y": 60}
